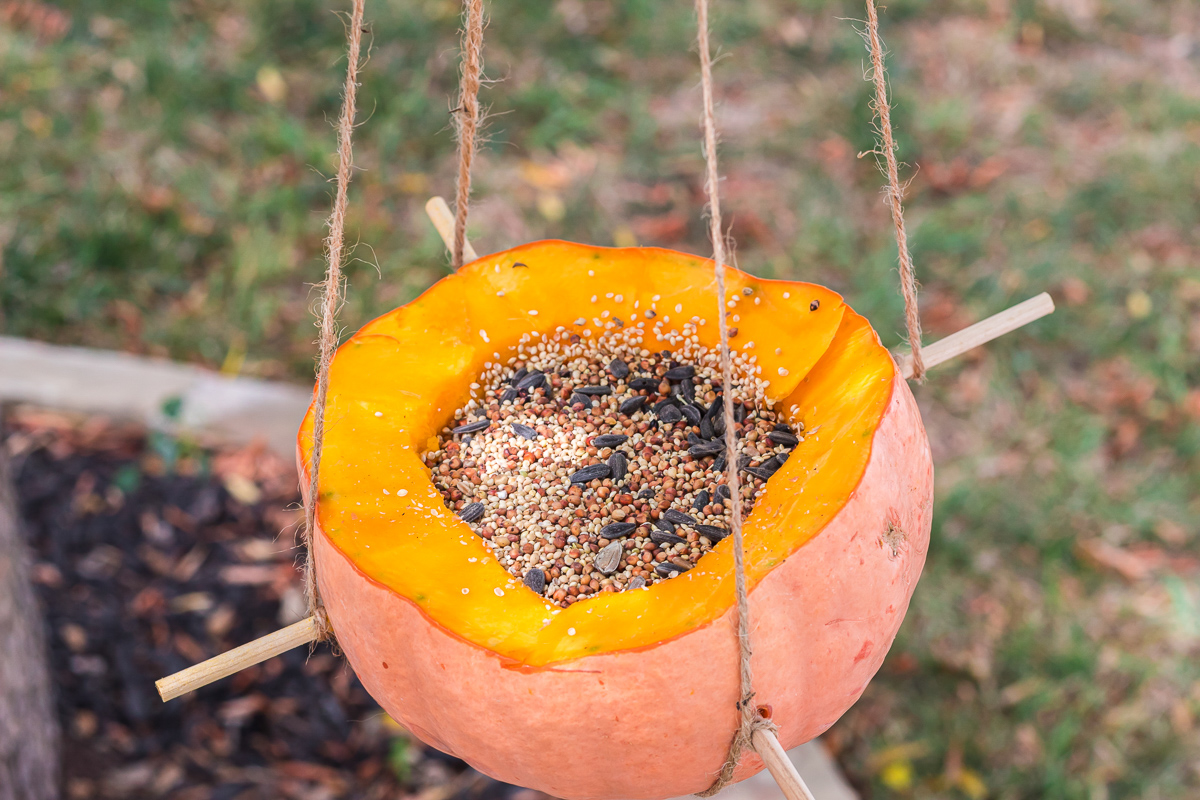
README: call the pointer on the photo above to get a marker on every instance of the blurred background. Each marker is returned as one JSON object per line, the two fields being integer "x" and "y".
{"x": 164, "y": 183}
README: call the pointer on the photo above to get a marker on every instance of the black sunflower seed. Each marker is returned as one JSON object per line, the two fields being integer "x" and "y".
{"x": 472, "y": 427}
{"x": 665, "y": 568}
{"x": 702, "y": 499}
{"x": 670, "y": 415}
{"x": 666, "y": 526}
{"x": 687, "y": 389}
{"x": 609, "y": 440}
{"x": 694, "y": 439}
{"x": 532, "y": 380}
{"x": 594, "y": 472}
{"x": 579, "y": 398}
{"x": 723, "y": 492}
{"x": 772, "y": 464}
{"x": 645, "y": 494}
{"x": 784, "y": 438}
{"x": 594, "y": 391}
{"x": 713, "y": 532}
{"x": 524, "y": 431}
{"x": 759, "y": 472}
{"x": 691, "y": 414}
{"x": 739, "y": 413}
{"x": 719, "y": 464}
{"x": 535, "y": 579}
{"x": 706, "y": 429}
{"x": 649, "y": 384}
{"x": 718, "y": 425}
{"x": 662, "y": 537}
{"x": 706, "y": 449}
{"x": 633, "y": 405}
{"x": 619, "y": 466}
{"x": 509, "y": 395}
{"x": 680, "y": 373}
{"x": 783, "y": 426}
{"x": 783, "y": 457}
{"x": 618, "y": 369}
{"x": 615, "y": 530}
{"x": 471, "y": 512}
{"x": 518, "y": 375}
{"x": 678, "y": 517}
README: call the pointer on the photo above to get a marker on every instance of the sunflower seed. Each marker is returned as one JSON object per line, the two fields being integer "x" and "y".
{"x": 662, "y": 537}
{"x": 723, "y": 492}
{"x": 693, "y": 439}
{"x": 649, "y": 384}
{"x": 518, "y": 375}
{"x": 670, "y": 415}
{"x": 772, "y": 464}
{"x": 594, "y": 391}
{"x": 678, "y": 517}
{"x": 702, "y": 499}
{"x": 615, "y": 530}
{"x": 687, "y": 389}
{"x": 638, "y": 581}
{"x": 579, "y": 398}
{"x": 706, "y": 449}
{"x": 783, "y": 426}
{"x": 666, "y": 526}
{"x": 618, "y": 369}
{"x": 609, "y": 440}
{"x": 719, "y": 464}
{"x": 784, "y": 438}
{"x": 609, "y": 558}
{"x": 472, "y": 427}
{"x": 666, "y": 568}
{"x": 619, "y": 466}
{"x": 524, "y": 431}
{"x": 535, "y": 579}
{"x": 508, "y": 396}
{"x": 759, "y": 472}
{"x": 532, "y": 380}
{"x": 633, "y": 405}
{"x": 686, "y": 371}
{"x": 471, "y": 512}
{"x": 645, "y": 494}
{"x": 594, "y": 472}
{"x": 712, "y": 532}
{"x": 706, "y": 429}
{"x": 691, "y": 414}
{"x": 739, "y": 413}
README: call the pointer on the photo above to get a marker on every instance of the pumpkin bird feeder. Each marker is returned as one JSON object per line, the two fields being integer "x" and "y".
{"x": 576, "y": 507}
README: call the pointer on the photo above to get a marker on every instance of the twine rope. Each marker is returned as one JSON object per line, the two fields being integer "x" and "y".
{"x": 750, "y": 717}
{"x": 467, "y": 121}
{"x": 331, "y": 301}
{"x": 895, "y": 192}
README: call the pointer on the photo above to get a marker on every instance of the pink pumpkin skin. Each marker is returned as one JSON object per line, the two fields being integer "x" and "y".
{"x": 657, "y": 722}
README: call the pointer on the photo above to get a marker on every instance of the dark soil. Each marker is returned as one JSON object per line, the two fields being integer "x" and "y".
{"x": 152, "y": 555}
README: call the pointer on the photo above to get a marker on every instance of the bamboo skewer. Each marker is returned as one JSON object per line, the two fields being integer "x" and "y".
{"x": 443, "y": 219}
{"x": 305, "y": 631}
{"x": 767, "y": 745}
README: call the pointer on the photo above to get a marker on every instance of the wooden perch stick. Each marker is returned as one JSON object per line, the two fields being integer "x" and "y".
{"x": 237, "y": 659}
{"x": 980, "y": 333}
{"x": 443, "y": 219}
{"x": 767, "y": 745}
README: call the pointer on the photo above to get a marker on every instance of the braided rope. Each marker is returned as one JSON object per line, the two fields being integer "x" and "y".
{"x": 750, "y": 718}
{"x": 331, "y": 300}
{"x": 467, "y": 121}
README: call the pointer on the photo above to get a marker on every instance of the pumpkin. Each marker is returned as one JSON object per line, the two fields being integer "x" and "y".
{"x": 631, "y": 694}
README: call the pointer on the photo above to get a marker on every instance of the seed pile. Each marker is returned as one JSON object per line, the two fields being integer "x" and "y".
{"x": 597, "y": 465}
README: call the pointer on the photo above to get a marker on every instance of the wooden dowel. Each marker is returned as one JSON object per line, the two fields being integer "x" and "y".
{"x": 443, "y": 219}
{"x": 780, "y": 766}
{"x": 981, "y": 332}
{"x": 237, "y": 659}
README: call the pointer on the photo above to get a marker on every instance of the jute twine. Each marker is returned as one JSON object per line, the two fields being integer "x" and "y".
{"x": 331, "y": 301}
{"x": 750, "y": 718}
{"x": 894, "y": 191}
{"x": 467, "y": 121}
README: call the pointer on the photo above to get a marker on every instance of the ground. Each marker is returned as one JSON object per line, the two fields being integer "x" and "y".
{"x": 163, "y": 190}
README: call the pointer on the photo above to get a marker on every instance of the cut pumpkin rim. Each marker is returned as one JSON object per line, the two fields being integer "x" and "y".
{"x": 402, "y": 376}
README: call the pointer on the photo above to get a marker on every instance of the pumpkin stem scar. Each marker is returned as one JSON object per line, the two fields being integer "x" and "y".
{"x": 894, "y": 538}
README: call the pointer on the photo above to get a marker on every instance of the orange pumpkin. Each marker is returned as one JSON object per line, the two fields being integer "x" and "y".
{"x": 627, "y": 694}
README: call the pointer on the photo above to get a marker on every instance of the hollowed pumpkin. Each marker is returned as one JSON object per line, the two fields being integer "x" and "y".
{"x": 627, "y": 695}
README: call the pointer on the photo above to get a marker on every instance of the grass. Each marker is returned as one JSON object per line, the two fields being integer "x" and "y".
{"x": 163, "y": 190}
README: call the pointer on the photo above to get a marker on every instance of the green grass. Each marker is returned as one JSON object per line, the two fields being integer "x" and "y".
{"x": 163, "y": 189}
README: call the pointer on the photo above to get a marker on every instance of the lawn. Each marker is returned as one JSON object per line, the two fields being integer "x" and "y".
{"x": 164, "y": 184}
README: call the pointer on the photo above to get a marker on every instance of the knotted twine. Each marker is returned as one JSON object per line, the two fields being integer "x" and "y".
{"x": 331, "y": 301}
{"x": 751, "y": 720}
{"x": 467, "y": 121}
{"x": 894, "y": 191}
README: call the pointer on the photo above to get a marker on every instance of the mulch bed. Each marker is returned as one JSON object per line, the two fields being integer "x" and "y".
{"x": 152, "y": 554}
